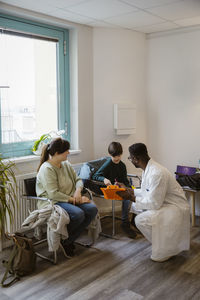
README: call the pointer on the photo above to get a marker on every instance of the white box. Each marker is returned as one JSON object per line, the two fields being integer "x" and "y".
{"x": 124, "y": 118}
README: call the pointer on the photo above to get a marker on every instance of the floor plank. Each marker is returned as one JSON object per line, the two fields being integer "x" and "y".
{"x": 117, "y": 269}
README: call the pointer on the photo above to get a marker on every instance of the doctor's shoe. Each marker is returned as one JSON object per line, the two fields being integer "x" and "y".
{"x": 133, "y": 220}
{"x": 127, "y": 229}
{"x": 134, "y": 225}
{"x": 161, "y": 259}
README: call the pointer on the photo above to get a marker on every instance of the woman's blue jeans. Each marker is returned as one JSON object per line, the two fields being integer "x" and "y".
{"x": 80, "y": 217}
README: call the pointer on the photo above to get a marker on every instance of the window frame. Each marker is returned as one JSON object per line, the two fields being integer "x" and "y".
{"x": 23, "y": 25}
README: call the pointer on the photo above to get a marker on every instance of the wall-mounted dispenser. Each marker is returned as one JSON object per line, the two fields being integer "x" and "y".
{"x": 124, "y": 118}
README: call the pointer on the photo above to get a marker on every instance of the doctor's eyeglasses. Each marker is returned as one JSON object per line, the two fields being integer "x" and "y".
{"x": 132, "y": 158}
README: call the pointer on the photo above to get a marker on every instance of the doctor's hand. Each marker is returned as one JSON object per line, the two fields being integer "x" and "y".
{"x": 128, "y": 194}
{"x": 107, "y": 181}
{"x": 121, "y": 185}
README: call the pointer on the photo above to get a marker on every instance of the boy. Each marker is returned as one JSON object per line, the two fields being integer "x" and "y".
{"x": 112, "y": 171}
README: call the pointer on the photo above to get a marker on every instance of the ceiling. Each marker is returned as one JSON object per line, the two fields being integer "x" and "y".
{"x": 140, "y": 15}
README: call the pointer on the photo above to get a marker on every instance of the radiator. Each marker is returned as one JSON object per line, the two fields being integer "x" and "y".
{"x": 22, "y": 210}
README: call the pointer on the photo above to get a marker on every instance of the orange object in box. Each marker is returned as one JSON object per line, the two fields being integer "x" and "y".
{"x": 110, "y": 192}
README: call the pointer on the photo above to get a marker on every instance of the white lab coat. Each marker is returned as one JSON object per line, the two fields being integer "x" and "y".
{"x": 163, "y": 212}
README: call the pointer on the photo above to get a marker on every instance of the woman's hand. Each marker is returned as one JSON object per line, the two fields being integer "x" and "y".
{"x": 77, "y": 195}
{"x": 85, "y": 200}
{"x": 72, "y": 200}
{"x": 82, "y": 200}
{"x": 107, "y": 181}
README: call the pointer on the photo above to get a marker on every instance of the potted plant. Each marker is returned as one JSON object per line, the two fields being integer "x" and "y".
{"x": 8, "y": 198}
{"x": 38, "y": 145}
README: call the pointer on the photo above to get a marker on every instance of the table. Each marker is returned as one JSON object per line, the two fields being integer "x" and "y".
{"x": 113, "y": 218}
{"x": 192, "y": 194}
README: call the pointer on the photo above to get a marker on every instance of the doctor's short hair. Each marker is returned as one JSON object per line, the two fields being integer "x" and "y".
{"x": 139, "y": 150}
{"x": 115, "y": 149}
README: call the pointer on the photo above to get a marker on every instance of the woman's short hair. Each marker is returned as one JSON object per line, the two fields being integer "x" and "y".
{"x": 115, "y": 149}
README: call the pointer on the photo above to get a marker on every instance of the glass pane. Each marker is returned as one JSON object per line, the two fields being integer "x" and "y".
{"x": 29, "y": 102}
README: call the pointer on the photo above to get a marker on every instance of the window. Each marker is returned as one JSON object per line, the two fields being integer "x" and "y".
{"x": 34, "y": 83}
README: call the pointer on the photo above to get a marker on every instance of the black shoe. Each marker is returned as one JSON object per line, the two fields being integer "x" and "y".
{"x": 126, "y": 228}
{"x": 133, "y": 220}
{"x": 134, "y": 225}
{"x": 68, "y": 248}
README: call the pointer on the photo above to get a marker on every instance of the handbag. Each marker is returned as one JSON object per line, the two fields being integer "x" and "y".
{"x": 22, "y": 260}
{"x": 192, "y": 181}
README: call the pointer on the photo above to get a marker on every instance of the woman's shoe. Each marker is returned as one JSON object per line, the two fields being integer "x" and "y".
{"x": 68, "y": 248}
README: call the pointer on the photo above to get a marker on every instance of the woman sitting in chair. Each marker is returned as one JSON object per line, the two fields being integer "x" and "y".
{"x": 57, "y": 181}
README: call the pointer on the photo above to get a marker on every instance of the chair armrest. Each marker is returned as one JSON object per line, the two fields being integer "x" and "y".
{"x": 37, "y": 198}
{"x": 86, "y": 190}
{"x": 135, "y": 176}
{"x": 96, "y": 182}
{"x": 93, "y": 187}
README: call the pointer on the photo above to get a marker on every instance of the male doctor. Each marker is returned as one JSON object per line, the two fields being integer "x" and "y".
{"x": 163, "y": 213}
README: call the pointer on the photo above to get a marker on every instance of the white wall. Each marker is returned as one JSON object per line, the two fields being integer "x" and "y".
{"x": 173, "y": 98}
{"x": 119, "y": 76}
{"x": 81, "y": 84}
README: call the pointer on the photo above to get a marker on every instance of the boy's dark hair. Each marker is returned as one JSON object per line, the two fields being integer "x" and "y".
{"x": 139, "y": 150}
{"x": 115, "y": 149}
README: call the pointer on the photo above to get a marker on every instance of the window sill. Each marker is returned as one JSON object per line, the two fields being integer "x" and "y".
{"x": 29, "y": 158}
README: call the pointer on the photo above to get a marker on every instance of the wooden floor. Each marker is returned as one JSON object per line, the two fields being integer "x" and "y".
{"x": 117, "y": 269}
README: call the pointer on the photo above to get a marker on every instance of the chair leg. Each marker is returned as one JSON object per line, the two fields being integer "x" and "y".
{"x": 63, "y": 250}
{"x": 55, "y": 257}
{"x": 54, "y": 261}
{"x": 110, "y": 236}
{"x": 113, "y": 221}
{"x": 84, "y": 245}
